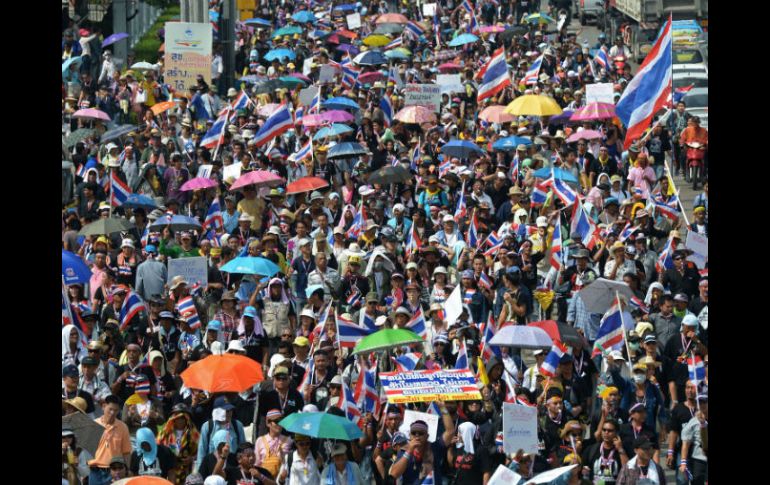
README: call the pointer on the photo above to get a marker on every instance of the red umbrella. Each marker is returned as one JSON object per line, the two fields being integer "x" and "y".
{"x": 449, "y": 66}
{"x": 198, "y": 183}
{"x": 347, "y": 33}
{"x": 370, "y": 77}
{"x": 559, "y": 331}
{"x": 333, "y": 39}
{"x": 260, "y": 178}
{"x": 306, "y": 184}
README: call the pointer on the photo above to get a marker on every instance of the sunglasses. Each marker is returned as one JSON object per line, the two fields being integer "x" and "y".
{"x": 303, "y": 443}
{"x": 281, "y": 378}
{"x": 417, "y": 433}
{"x": 286, "y": 336}
{"x": 608, "y": 430}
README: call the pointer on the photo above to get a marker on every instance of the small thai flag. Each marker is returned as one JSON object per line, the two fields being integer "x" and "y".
{"x": 444, "y": 167}
{"x": 665, "y": 260}
{"x": 563, "y": 191}
{"x": 414, "y": 28}
{"x": 348, "y": 333}
{"x": 417, "y": 324}
{"x": 531, "y": 76}
{"x": 186, "y": 308}
{"x": 602, "y": 59}
{"x": 387, "y": 110}
{"x": 638, "y": 304}
{"x": 493, "y": 250}
{"x": 462, "y": 356}
{"x": 214, "y": 218}
{"x": 473, "y": 236}
{"x": 611, "y": 334}
{"x": 367, "y": 321}
{"x": 667, "y": 211}
{"x": 397, "y": 42}
{"x": 494, "y": 239}
{"x": 120, "y": 191}
{"x": 696, "y": 368}
{"x": 557, "y": 256}
{"x": 242, "y": 101}
{"x": 413, "y": 242}
{"x": 462, "y": 209}
{"x": 626, "y": 232}
{"x": 307, "y": 377}
{"x": 354, "y": 298}
{"x": 216, "y": 133}
{"x": 407, "y": 362}
{"x": 484, "y": 281}
{"x": 415, "y": 158}
{"x": 348, "y": 404}
{"x": 539, "y": 194}
{"x": 132, "y": 305}
{"x": 551, "y": 362}
{"x": 679, "y": 93}
{"x": 467, "y": 6}
{"x": 304, "y": 153}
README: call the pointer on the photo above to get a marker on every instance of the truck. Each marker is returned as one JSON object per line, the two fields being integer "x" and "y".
{"x": 639, "y": 21}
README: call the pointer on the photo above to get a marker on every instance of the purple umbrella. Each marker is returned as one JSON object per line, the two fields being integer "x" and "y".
{"x": 198, "y": 183}
{"x": 337, "y": 116}
{"x": 299, "y": 75}
{"x": 114, "y": 38}
{"x": 353, "y": 50}
{"x": 561, "y": 119}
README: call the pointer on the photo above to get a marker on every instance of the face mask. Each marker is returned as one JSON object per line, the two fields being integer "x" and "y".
{"x": 679, "y": 313}
{"x": 633, "y": 346}
{"x": 639, "y": 378}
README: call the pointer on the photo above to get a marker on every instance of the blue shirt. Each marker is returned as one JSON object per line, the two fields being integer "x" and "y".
{"x": 231, "y": 221}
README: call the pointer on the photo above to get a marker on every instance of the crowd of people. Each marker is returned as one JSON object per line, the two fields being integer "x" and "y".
{"x": 520, "y": 228}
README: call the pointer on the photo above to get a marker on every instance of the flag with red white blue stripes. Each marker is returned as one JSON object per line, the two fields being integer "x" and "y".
{"x": 132, "y": 305}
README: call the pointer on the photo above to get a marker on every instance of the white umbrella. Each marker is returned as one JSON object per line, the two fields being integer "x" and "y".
{"x": 523, "y": 337}
{"x": 144, "y": 66}
{"x": 599, "y": 295}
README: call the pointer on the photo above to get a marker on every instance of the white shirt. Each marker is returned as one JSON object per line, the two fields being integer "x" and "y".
{"x": 303, "y": 472}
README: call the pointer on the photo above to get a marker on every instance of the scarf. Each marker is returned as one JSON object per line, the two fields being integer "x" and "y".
{"x": 331, "y": 474}
{"x": 258, "y": 331}
{"x": 648, "y": 296}
{"x": 144, "y": 435}
{"x": 652, "y": 470}
{"x": 190, "y": 436}
{"x": 266, "y": 292}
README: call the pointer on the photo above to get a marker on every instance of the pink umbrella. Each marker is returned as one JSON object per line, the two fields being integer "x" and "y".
{"x": 268, "y": 109}
{"x": 337, "y": 116}
{"x": 391, "y": 18}
{"x": 493, "y": 29}
{"x": 91, "y": 113}
{"x": 312, "y": 120}
{"x": 449, "y": 66}
{"x": 416, "y": 114}
{"x": 198, "y": 183}
{"x": 496, "y": 114}
{"x": 594, "y": 111}
{"x": 370, "y": 77}
{"x": 584, "y": 135}
{"x": 299, "y": 75}
{"x": 260, "y": 178}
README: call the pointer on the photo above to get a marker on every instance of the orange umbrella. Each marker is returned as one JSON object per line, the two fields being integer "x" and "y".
{"x": 159, "y": 108}
{"x": 306, "y": 184}
{"x": 416, "y": 114}
{"x": 143, "y": 480}
{"x": 391, "y": 18}
{"x": 347, "y": 33}
{"x": 496, "y": 114}
{"x": 223, "y": 373}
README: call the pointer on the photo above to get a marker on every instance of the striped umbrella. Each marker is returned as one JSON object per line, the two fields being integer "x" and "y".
{"x": 594, "y": 111}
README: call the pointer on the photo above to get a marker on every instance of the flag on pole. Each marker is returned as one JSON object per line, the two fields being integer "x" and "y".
{"x": 551, "y": 362}
{"x": 495, "y": 77}
{"x": 278, "y": 123}
{"x": 214, "y": 218}
{"x": 417, "y": 324}
{"x": 387, "y": 110}
{"x": 462, "y": 356}
{"x": 611, "y": 332}
{"x": 462, "y": 209}
{"x": 534, "y": 71}
{"x": 347, "y": 403}
{"x": 348, "y": 333}
{"x": 216, "y": 134}
{"x": 119, "y": 190}
{"x": 132, "y": 305}
{"x": 407, "y": 362}
{"x": 557, "y": 257}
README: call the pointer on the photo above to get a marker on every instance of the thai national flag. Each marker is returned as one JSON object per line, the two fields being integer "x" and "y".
{"x": 467, "y": 6}
{"x": 307, "y": 377}
{"x": 216, "y": 133}
{"x": 462, "y": 209}
{"x": 367, "y": 321}
{"x": 484, "y": 281}
{"x": 563, "y": 191}
{"x": 303, "y": 153}
{"x": 551, "y": 362}
{"x": 667, "y": 211}
{"x": 428, "y": 480}
{"x": 494, "y": 239}
{"x": 366, "y": 395}
{"x": 626, "y": 232}
{"x": 462, "y": 356}
{"x": 357, "y": 227}
{"x": 348, "y": 333}
{"x": 444, "y": 167}
{"x": 66, "y": 307}
{"x": 354, "y": 298}
{"x": 132, "y": 305}
{"x": 611, "y": 334}
{"x": 679, "y": 93}
{"x": 407, "y": 362}
{"x": 387, "y": 110}
{"x": 534, "y": 71}
{"x": 417, "y": 324}
{"x": 277, "y": 124}
{"x": 347, "y": 403}
{"x": 414, "y": 28}
{"x": 493, "y": 250}
{"x": 186, "y": 308}
{"x": 437, "y": 28}
{"x": 539, "y": 194}
{"x": 242, "y": 101}
{"x": 214, "y": 218}
{"x": 415, "y": 158}
{"x": 696, "y": 368}
{"x": 315, "y": 103}
{"x": 557, "y": 257}
{"x": 397, "y": 42}
{"x": 473, "y": 236}
{"x": 649, "y": 90}
{"x": 515, "y": 170}
{"x": 665, "y": 260}
{"x": 120, "y": 191}
{"x": 298, "y": 114}
{"x": 638, "y": 304}
{"x": 602, "y": 59}
{"x": 413, "y": 242}
{"x": 495, "y": 77}
{"x": 584, "y": 225}
{"x": 489, "y": 331}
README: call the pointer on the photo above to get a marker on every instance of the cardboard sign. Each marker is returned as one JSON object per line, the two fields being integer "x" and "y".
{"x": 354, "y": 21}
{"x": 519, "y": 428}
{"x": 428, "y": 95}
{"x": 450, "y": 83}
{"x": 204, "y": 171}
{"x": 327, "y": 74}
{"x": 306, "y": 95}
{"x": 412, "y": 416}
{"x": 599, "y": 93}
{"x": 233, "y": 170}
{"x": 188, "y": 54}
{"x": 429, "y": 385}
{"x": 504, "y": 476}
{"x": 193, "y": 269}
{"x": 429, "y": 9}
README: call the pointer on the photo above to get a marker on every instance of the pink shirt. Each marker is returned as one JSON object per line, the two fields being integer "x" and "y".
{"x": 640, "y": 178}
{"x": 97, "y": 275}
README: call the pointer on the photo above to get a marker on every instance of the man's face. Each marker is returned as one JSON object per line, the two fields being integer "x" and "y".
{"x": 554, "y": 405}
{"x": 321, "y": 362}
{"x": 110, "y": 411}
{"x": 666, "y": 307}
{"x": 118, "y": 471}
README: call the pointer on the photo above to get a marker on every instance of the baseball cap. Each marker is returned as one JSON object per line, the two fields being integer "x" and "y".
{"x": 222, "y": 403}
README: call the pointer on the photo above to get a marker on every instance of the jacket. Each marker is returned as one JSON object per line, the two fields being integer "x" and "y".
{"x": 150, "y": 278}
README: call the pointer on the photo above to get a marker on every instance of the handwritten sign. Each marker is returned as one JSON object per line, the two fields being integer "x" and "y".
{"x": 430, "y": 419}
{"x": 188, "y": 54}
{"x": 232, "y": 170}
{"x": 354, "y": 20}
{"x": 450, "y": 83}
{"x": 429, "y": 385}
{"x": 519, "y": 428}
{"x": 204, "y": 171}
{"x": 504, "y": 476}
{"x": 193, "y": 270}
{"x": 599, "y": 93}
{"x": 428, "y": 95}
{"x": 700, "y": 246}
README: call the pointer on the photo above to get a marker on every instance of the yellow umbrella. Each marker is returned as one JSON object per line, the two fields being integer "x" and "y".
{"x": 377, "y": 40}
{"x": 533, "y": 105}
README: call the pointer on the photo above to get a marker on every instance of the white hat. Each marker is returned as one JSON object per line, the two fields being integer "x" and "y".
{"x": 307, "y": 312}
{"x": 274, "y": 361}
{"x": 365, "y": 190}
{"x": 399, "y": 208}
{"x": 217, "y": 348}
{"x": 110, "y": 146}
{"x": 503, "y": 133}
{"x": 433, "y": 238}
{"x": 274, "y": 230}
{"x": 617, "y": 355}
{"x": 232, "y": 92}
{"x": 439, "y": 270}
{"x": 127, "y": 243}
{"x": 448, "y": 218}
{"x": 501, "y": 175}
{"x": 236, "y": 345}
{"x": 380, "y": 321}
{"x": 541, "y": 221}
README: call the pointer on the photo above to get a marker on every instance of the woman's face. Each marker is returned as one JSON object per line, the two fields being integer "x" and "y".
{"x": 74, "y": 336}
{"x": 180, "y": 423}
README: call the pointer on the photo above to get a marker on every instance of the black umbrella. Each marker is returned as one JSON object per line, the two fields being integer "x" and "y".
{"x": 117, "y": 132}
{"x": 515, "y": 30}
{"x": 390, "y": 175}
{"x": 88, "y": 432}
{"x": 78, "y": 135}
{"x": 268, "y": 87}
{"x": 389, "y": 28}
{"x": 106, "y": 226}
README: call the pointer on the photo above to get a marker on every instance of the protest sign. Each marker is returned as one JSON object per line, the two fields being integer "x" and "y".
{"x": 306, "y": 95}
{"x": 307, "y": 66}
{"x": 188, "y": 54}
{"x": 204, "y": 171}
{"x": 233, "y": 170}
{"x": 327, "y": 74}
{"x": 504, "y": 476}
{"x": 427, "y": 95}
{"x": 429, "y": 9}
{"x": 599, "y": 93}
{"x": 550, "y": 475}
{"x": 450, "y": 83}
{"x": 430, "y": 385}
{"x": 700, "y": 246}
{"x": 194, "y": 270}
{"x": 354, "y": 20}
{"x": 430, "y": 419}
{"x": 519, "y": 428}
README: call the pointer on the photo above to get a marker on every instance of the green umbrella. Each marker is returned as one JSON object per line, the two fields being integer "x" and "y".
{"x": 386, "y": 339}
{"x": 321, "y": 425}
{"x": 291, "y": 82}
{"x": 106, "y": 226}
{"x": 78, "y": 135}
{"x": 288, "y": 30}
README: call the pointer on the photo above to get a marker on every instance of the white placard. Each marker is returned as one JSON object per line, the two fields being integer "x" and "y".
{"x": 700, "y": 246}
{"x": 327, "y": 74}
{"x": 306, "y": 95}
{"x": 599, "y": 93}
{"x": 306, "y": 69}
{"x": 427, "y": 95}
{"x": 429, "y": 9}
{"x": 188, "y": 54}
{"x": 233, "y": 170}
{"x": 354, "y": 20}
{"x": 450, "y": 83}
{"x": 550, "y": 475}
{"x": 412, "y": 416}
{"x": 204, "y": 171}
{"x": 193, "y": 269}
{"x": 519, "y": 428}
{"x": 504, "y": 476}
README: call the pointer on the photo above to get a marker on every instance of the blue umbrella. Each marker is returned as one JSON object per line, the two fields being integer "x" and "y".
{"x": 347, "y": 149}
{"x": 370, "y": 58}
{"x": 73, "y": 269}
{"x": 340, "y": 102}
{"x": 114, "y": 38}
{"x": 349, "y": 7}
{"x": 72, "y": 60}
{"x": 319, "y": 34}
{"x": 135, "y": 201}
{"x": 258, "y": 21}
{"x": 333, "y": 130}
{"x": 251, "y": 265}
{"x": 460, "y": 149}
{"x": 394, "y": 54}
{"x": 564, "y": 175}
{"x": 563, "y": 118}
{"x": 510, "y": 143}
{"x": 462, "y": 40}
{"x": 353, "y": 50}
{"x": 304, "y": 16}
{"x": 280, "y": 54}
{"x": 250, "y": 79}
{"x": 177, "y": 223}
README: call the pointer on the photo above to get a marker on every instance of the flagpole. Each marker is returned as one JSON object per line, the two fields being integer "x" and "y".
{"x": 111, "y": 194}
{"x": 625, "y": 335}
{"x": 676, "y": 192}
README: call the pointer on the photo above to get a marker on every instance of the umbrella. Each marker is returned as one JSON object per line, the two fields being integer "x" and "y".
{"x": 594, "y": 111}
{"x": 337, "y": 116}
{"x": 559, "y": 331}
{"x": 370, "y": 77}
{"x": 396, "y": 54}
{"x": 69, "y": 62}
{"x": 140, "y": 201}
{"x": 260, "y": 178}
{"x": 370, "y": 58}
{"x": 563, "y": 118}
{"x": 78, "y": 135}
{"x": 313, "y": 120}
{"x": 334, "y": 130}
{"x": 533, "y": 105}
{"x": 94, "y": 113}
{"x": 600, "y": 294}
{"x": 449, "y": 66}
{"x": 463, "y": 39}
{"x": 340, "y": 102}
{"x": 558, "y": 173}
{"x": 351, "y": 49}
{"x": 176, "y": 223}
{"x": 268, "y": 109}
{"x": 198, "y": 183}
{"x": 117, "y": 132}
{"x": 540, "y": 18}
{"x": 256, "y": 21}
{"x": 321, "y": 425}
{"x": 304, "y": 16}
{"x": 299, "y": 75}
{"x": 159, "y": 108}
{"x": 509, "y": 33}
{"x": 347, "y": 33}
{"x": 386, "y": 339}
{"x": 280, "y": 54}
{"x": 416, "y": 114}
{"x": 492, "y": 29}
{"x": 223, "y": 373}
{"x": 510, "y": 143}
{"x": 114, "y": 38}
{"x": 389, "y": 29}
{"x": 110, "y": 225}
{"x": 584, "y": 135}
{"x": 267, "y": 87}
{"x": 144, "y": 66}
{"x": 143, "y": 480}
{"x": 251, "y": 265}
{"x": 73, "y": 269}
{"x": 348, "y": 7}
{"x": 346, "y": 149}
{"x": 495, "y": 114}
{"x": 292, "y": 82}
{"x": 306, "y": 184}
{"x": 522, "y": 336}
{"x": 87, "y": 431}
{"x": 390, "y": 175}
{"x": 391, "y": 18}
{"x": 250, "y": 79}
{"x": 376, "y": 40}
{"x": 288, "y": 30}
{"x": 460, "y": 148}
